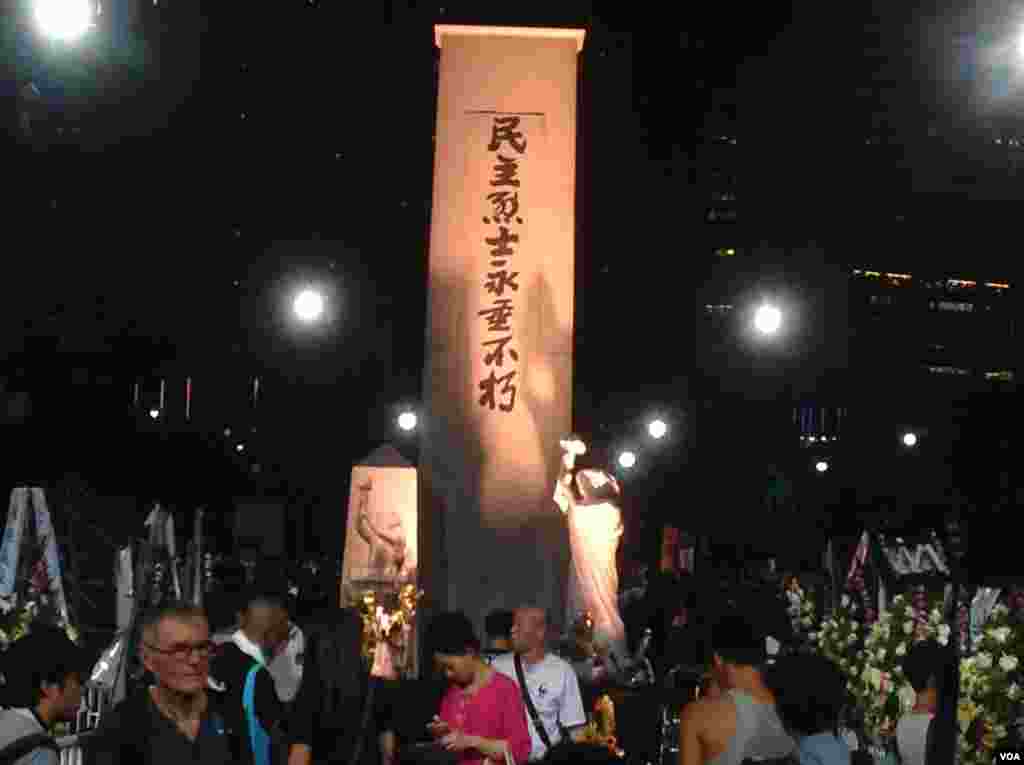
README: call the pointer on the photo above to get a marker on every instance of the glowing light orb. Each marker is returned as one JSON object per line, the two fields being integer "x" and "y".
{"x": 309, "y": 305}
{"x": 768, "y": 319}
{"x": 910, "y": 439}
{"x": 64, "y": 20}
{"x": 154, "y": 414}
{"x": 407, "y": 421}
{"x": 821, "y": 466}
{"x": 657, "y": 429}
{"x": 627, "y": 459}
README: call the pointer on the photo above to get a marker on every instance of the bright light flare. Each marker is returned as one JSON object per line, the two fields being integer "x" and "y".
{"x": 309, "y": 305}
{"x": 910, "y": 440}
{"x": 154, "y": 414}
{"x": 627, "y": 460}
{"x": 657, "y": 429}
{"x": 65, "y": 20}
{"x": 768, "y": 319}
{"x": 821, "y": 466}
{"x": 407, "y": 421}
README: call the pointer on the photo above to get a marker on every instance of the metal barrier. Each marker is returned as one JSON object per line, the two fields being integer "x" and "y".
{"x": 95, "y": 701}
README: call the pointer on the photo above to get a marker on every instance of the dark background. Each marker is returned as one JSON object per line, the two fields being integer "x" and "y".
{"x": 191, "y": 165}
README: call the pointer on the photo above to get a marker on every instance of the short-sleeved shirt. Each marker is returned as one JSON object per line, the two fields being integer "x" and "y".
{"x": 494, "y": 712}
{"x": 19, "y": 723}
{"x": 555, "y": 693}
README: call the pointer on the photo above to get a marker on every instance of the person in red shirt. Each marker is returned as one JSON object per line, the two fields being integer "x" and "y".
{"x": 482, "y": 716}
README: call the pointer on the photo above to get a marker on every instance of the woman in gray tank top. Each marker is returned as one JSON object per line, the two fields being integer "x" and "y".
{"x": 739, "y": 653}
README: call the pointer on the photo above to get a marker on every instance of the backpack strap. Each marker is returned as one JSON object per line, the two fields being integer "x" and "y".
{"x": 259, "y": 739}
{"x": 22, "y": 746}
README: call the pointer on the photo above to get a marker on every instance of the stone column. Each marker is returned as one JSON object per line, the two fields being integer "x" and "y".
{"x": 498, "y": 375}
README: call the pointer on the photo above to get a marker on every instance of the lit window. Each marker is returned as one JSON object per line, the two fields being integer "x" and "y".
{"x": 719, "y": 309}
{"x": 961, "y": 284}
{"x": 723, "y": 196}
{"x": 725, "y": 252}
{"x": 957, "y": 306}
{"x": 1002, "y": 375}
{"x": 947, "y": 370}
{"x": 997, "y": 286}
{"x": 721, "y": 215}
{"x": 899, "y": 278}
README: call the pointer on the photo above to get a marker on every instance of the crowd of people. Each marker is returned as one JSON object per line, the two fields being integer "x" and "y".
{"x": 510, "y": 700}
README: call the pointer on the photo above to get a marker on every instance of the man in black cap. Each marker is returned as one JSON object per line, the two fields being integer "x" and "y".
{"x": 42, "y": 686}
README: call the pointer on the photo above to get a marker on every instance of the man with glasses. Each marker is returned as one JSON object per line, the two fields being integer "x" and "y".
{"x": 174, "y": 720}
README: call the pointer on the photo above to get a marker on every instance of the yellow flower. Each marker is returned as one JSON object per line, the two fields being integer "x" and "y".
{"x": 966, "y": 713}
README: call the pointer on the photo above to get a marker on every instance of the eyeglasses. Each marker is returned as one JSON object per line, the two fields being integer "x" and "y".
{"x": 185, "y": 652}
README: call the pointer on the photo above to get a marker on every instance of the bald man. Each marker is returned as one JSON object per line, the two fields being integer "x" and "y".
{"x": 550, "y": 682}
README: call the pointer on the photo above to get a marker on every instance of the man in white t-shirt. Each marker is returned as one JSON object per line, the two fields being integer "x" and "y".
{"x": 551, "y": 681}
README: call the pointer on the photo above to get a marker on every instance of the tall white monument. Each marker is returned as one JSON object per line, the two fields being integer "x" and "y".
{"x": 498, "y": 373}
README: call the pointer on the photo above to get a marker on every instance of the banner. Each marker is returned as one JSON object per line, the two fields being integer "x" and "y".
{"x": 23, "y": 502}
{"x": 498, "y": 369}
{"x": 380, "y": 535}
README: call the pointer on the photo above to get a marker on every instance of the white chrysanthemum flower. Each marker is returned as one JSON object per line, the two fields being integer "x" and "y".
{"x": 901, "y": 649}
{"x": 908, "y": 698}
{"x": 1008, "y": 663}
{"x": 943, "y": 636}
{"x": 881, "y": 654}
{"x": 1001, "y": 634}
{"x": 1013, "y": 692}
{"x": 983, "y": 660}
{"x": 908, "y": 627}
{"x": 845, "y": 601}
{"x": 851, "y": 639}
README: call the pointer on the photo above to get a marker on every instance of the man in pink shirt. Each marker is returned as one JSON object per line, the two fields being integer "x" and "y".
{"x": 482, "y": 716}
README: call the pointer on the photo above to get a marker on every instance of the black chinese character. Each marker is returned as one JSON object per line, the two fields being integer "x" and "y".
{"x": 498, "y": 316}
{"x": 501, "y": 243}
{"x": 504, "y": 131}
{"x": 497, "y": 356}
{"x": 505, "y": 172}
{"x": 506, "y": 205}
{"x": 488, "y": 385}
{"x": 497, "y": 281}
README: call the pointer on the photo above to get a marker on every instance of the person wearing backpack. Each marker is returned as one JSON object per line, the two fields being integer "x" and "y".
{"x": 810, "y": 693}
{"x": 42, "y": 686}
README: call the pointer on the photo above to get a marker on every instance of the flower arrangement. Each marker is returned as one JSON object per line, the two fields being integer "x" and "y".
{"x": 34, "y": 600}
{"x": 991, "y": 686}
{"x": 882, "y": 691}
{"x": 388, "y": 618}
{"x": 841, "y": 637}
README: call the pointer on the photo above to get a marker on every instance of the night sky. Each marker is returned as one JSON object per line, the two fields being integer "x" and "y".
{"x": 212, "y": 159}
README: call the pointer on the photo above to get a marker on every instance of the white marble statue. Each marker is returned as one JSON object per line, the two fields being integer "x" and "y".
{"x": 589, "y": 499}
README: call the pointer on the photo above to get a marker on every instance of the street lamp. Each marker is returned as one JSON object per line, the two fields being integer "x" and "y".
{"x": 66, "y": 20}
{"x": 821, "y": 466}
{"x": 308, "y": 305}
{"x": 407, "y": 421}
{"x": 627, "y": 459}
{"x": 767, "y": 319}
{"x": 909, "y": 440}
{"x": 657, "y": 429}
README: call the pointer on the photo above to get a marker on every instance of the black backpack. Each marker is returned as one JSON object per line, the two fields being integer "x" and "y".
{"x": 22, "y": 746}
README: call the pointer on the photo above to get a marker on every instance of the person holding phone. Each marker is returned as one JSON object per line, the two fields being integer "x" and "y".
{"x": 482, "y": 718}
